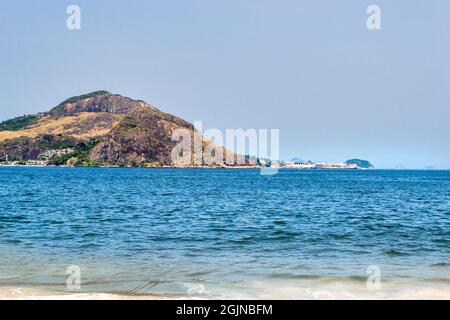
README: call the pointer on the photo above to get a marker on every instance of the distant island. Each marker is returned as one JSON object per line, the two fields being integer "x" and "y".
{"x": 364, "y": 164}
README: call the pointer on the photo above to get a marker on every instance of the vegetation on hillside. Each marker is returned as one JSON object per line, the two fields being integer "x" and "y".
{"x": 54, "y": 142}
{"x": 25, "y": 148}
{"x": 360, "y": 163}
{"x": 18, "y": 123}
{"x": 81, "y": 153}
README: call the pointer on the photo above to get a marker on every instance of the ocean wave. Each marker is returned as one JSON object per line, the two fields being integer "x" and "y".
{"x": 395, "y": 253}
{"x": 441, "y": 265}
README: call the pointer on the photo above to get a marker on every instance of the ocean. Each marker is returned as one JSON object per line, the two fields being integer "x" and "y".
{"x": 224, "y": 233}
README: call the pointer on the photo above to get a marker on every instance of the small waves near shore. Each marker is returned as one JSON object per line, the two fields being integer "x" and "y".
{"x": 224, "y": 234}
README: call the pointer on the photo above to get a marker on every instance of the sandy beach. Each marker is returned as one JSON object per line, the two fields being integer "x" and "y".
{"x": 324, "y": 289}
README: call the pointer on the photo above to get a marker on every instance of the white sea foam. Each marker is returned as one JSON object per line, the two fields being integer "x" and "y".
{"x": 315, "y": 289}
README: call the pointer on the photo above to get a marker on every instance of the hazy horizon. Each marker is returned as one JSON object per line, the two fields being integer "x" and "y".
{"x": 312, "y": 69}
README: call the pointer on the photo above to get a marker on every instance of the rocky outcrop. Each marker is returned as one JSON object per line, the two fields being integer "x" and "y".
{"x": 22, "y": 149}
{"x": 99, "y": 101}
{"x": 143, "y": 136}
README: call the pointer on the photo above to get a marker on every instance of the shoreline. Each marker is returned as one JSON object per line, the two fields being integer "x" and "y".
{"x": 126, "y": 167}
{"x": 306, "y": 290}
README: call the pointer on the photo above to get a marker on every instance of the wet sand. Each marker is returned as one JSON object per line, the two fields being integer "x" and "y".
{"x": 275, "y": 290}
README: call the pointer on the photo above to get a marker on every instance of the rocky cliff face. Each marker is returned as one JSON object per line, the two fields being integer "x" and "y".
{"x": 143, "y": 136}
{"x": 96, "y": 128}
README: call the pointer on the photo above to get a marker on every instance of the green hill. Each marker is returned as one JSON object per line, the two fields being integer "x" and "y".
{"x": 364, "y": 164}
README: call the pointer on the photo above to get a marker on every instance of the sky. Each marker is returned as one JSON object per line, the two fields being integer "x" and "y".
{"x": 312, "y": 69}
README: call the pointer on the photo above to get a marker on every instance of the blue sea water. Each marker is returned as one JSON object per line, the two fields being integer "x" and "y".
{"x": 220, "y": 232}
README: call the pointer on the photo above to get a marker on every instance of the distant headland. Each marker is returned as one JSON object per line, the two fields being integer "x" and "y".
{"x": 95, "y": 129}
{"x": 109, "y": 130}
{"x": 349, "y": 164}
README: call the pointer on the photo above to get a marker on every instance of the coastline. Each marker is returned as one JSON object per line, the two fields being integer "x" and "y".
{"x": 177, "y": 167}
{"x": 131, "y": 167}
{"x": 218, "y": 167}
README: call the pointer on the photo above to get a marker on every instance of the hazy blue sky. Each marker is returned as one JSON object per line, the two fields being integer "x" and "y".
{"x": 310, "y": 68}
